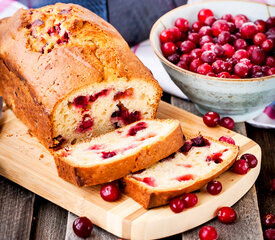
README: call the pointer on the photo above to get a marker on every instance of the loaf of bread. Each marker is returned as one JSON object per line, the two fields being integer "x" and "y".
{"x": 115, "y": 154}
{"x": 69, "y": 75}
{"x": 199, "y": 161}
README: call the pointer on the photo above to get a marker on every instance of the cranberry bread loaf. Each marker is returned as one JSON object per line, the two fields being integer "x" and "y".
{"x": 196, "y": 163}
{"x": 69, "y": 75}
{"x": 115, "y": 154}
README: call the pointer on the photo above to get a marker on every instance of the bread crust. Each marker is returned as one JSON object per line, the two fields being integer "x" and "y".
{"x": 47, "y": 79}
{"x": 87, "y": 176}
{"x": 149, "y": 198}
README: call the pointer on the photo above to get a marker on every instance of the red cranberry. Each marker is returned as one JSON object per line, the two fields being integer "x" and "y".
{"x": 227, "y": 17}
{"x": 224, "y": 75}
{"x": 208, "y": 56}
{"x": 187, "y": 46}
{"x": 186, "y": 58}
{"x": 204, "y": 13}
{"x": 182, "y": 24}
{"x": 229, "y": 50}
{"x": 218, "y": 66}
{"x": 272, "y": 185}
{"x": 211, "y": 119}
{"x": 196, "y": 26}
{"x": 224, "y": 37}
{"x": 177, "y": 205}
{"x": 214, "y": 187}
{"x": 218, "y": 50}
{"x": 176, "y": 32}
{"x": 240, "y": 44}
{"x": 211, "y": 74}
{"x": 189, "y": 200}
{"x": 247, "y": 62}
{"x": 166, "y": 36}
{"x": 241, "y": 70}
{"x": 267, "y": 45}
{"x": 239, "y": 20}
{"x": 194, "y": 37}
{"x": 255, "y": 69}
{"x": 182, "y": 65}
{"x": 109, "y": 192}
{"x": 258, "y": 75}
{"x": 82, "y": 227}
{"x": 227, "y": 215}
{"x": 207, "y": 46}
{"x": 240, "y": 167}
{"x": 196, "y": 53}
{"x": 227, "y": 122}
{"x": 205, "y": 30}
{"x": 269, "y": 234}
{"x": 195, "y": 64}
{"x": 205, "y": 39}
{"x": 235, "y": 76}
{"x": 232, "y": 27}
{"x": 271, "y": 71}
{"x": 265, "y": 69}
{"x": 186, "y": 146}
{"x": 168, "y": 48}
{"x": 250, "y": 49}
{"x": 270, "y": 61}
{"x": 260, "y": 25}
{"x": 208, "y": 233}
{"x": 270, "y": 22}
{"x": 174, "y": 58}
{"x": 178, "y": 43}
{"x": 227, "y": 140}
{"x": 248, "y": 30}
{"x": 259, "y": 38}
{"x": 210, "y": 20}
{"x": 204, "y": 69}
{"x": 251, "y": 159}
{"x": 239, "y": 54}
{"x": 219, "y": 26}
{"x": 258, "y": 56}
{"x": 269, "y": 220}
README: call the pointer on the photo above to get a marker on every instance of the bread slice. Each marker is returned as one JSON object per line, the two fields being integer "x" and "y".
{"x": 199, "y": 161}
{"x": 69, "y": 75}
{"x": 116, "y": 154}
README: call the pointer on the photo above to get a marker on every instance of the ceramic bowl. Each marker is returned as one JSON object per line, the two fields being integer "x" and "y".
{"x": 242, "y": 99}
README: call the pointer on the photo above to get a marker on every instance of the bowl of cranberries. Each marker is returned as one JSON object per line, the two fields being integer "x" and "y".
{"x": 221, "y": 54}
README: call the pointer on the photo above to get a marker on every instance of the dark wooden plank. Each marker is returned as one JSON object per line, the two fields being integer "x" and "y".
{"x": 16, "y": 209}
{"x": 266, "y": 139}
{"x": 49, "y": 220}
{"x": 248, "y": 225}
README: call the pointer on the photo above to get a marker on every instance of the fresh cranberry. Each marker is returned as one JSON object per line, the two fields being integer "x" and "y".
{"x": 235, "y": 76}
{"x": 174, "y": 58}
{"x": 271, "y": 71}
{"x": 178, "y": 43}
{"x": 109, "y": 192}
{"x": 82, "y": 227}
{"x": 241, "y": 70}
{"x": 227, "y": 17}
{"x": 166, "y": 36}
{"x": 270, "y": 22}
{"x": 265, "y": 69}
{"x": 207, "y": 46}
{"x": 186, "y": 58}
{"x": 195, "y": 64}
{"x": 177, "y": 205}
{"x": 224, "y": 37}
{"x": 267, "y": 45}
{"x": 211, "y": 74}
{"x": 258, "y": 56}
{"x": 218, "y": 66}
{"x": 205, "y": 30}
{"x": 259, "y": 38}
{"x": 204, "y": 69}
{"x": 269, "y": 234}
{"x": 240, "y": 44}
{"x": 229, "y": 50}
{"x": 168, "y": 48}
{"x": 270, "y": 61}
{"x": 227, "y": 140}
{"x": 176, "y": 32}
{"x": 270, "y": 34}
{"x": 251, "y": 159}
{"x": 224, "y": 75}
{"x": 218, "y": 50}
{"x": 211, "y": 119}
{"x": 214, "y": 187}
{"x": 239, "y": 20}
{"x": 260, "y": 25}
{"x": 227, "y": 122}
{"x": 210, "y": 20}
{"x": 208, "y": 233}
{"x": 208, "y": 57}
{"x": 232, "y": 27}
{"x": 269, "y": 220}
{"x": 255, "y": 69}
{"x": 182, "y": 24}
{"x": 239, "y": 54}
{"x": 204, "y": 13}
{"x": 196, "y": 26}
{"x": 182, "y": 65}
{"x": 187, "y": 46}
{"x": 219, "y": 26}
{"x": 248, "y": 30}
{"x": 196, "y": 53}
{"x": 240, "y": 166}
{"x": 272, "y": 185}
{"x": 194, "y": 37}
{"x": 189, "y": 200}
{"x": 205, "y": 39}
{"x": 250, "y": 49}
{"x": 227, "y": 66}
{"x": 227, "y": 215}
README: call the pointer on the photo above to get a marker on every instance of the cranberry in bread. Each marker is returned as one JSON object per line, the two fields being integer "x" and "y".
{"x": 69, "y": 75}
{"x": 115, "y": 154}
{"x": 199, "y": 161}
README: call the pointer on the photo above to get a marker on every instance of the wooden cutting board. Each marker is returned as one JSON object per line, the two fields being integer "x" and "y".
{"x": 25, "y": 161}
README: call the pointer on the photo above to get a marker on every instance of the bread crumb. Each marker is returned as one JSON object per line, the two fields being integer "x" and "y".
{"x": 9, "y": 135}
{"x": 41, "y": 156}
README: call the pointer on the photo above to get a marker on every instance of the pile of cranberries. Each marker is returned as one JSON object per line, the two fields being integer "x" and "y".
{"x": 230, "y": 47}
{"x": 212, "y": 119}
{"x": 187, "y": 200}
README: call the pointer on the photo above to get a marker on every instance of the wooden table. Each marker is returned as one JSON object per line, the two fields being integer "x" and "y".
{"x": 25, "y": 215}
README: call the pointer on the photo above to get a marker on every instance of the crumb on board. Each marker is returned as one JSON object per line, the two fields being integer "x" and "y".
{"x": 41, "y": 156}
{"x": 9, "y": 135}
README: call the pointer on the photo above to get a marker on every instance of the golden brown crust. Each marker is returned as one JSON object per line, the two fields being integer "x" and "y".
{"x": 149, "y": 198}
{"x": 87, "y": 176}
{"x": 49, "y": 78}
